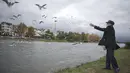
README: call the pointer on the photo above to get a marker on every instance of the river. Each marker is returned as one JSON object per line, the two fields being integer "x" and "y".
{"x": 45, "y": 57}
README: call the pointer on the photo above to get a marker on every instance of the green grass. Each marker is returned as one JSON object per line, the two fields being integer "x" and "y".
{"x": 123, "y": 59}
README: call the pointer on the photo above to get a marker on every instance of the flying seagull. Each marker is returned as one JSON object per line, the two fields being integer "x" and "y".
{"x": 12, "y": 18}
{"x": 9, "y": 4}
{"x": 71, "y": 16}
{"x": 16, "y": 16}
{"x": 44, "y": 16}
{"x": 54, "y": 17}
{"x": 40, "y": 7}
{"x": 74, "y": 43}
{"x": 55, "y": 21}
{"x": 41, "y": 22}
{"x": 34, "y": 22}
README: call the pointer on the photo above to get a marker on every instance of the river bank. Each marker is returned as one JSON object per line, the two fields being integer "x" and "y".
{"x": 30, "y": 39}
{"x": 123, "y": 60}
{"x": 34, "y": 39}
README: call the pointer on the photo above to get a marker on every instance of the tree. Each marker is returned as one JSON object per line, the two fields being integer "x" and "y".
{"x": 93, "y": 38}
{"x": 70, "y": 37}
{"x": 61, "y": 35}
{"x": 77, "y": 37}
{"x": 49, "y": 34}
{"x": 21, "y": 30}
{"x": 86, "y": 37}
{"x": 30, "y": 32}
{"x": 82, "y": 36}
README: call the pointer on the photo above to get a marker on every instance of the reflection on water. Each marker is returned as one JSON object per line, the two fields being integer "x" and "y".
{"x": 44, "y": 57}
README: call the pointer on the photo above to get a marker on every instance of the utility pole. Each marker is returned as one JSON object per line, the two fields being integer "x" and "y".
{"x": 55, "y": 29}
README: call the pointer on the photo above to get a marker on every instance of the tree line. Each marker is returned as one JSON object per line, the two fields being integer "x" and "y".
{"x": 22, "y": 30}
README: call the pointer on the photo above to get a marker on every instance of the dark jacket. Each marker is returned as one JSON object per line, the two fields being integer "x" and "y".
{"x": 108, "y": 38}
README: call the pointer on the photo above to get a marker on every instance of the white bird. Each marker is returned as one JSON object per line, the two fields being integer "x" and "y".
{"x": 16, "y": 16}
{"x": 12, "y": 18}
{"x": 44, "y": 16}
{"x": 40, "y": 7}
{"x": 13, "y": 44}
{"x": 9, "y": 4}
{"x": 55, "y": 21}
{"x": 41, "y": 22}
{"x": 54, "y": 17}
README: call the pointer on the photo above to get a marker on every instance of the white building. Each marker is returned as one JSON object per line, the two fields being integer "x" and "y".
{"x": 38, "y": 33}
{"x": 6, "y": 28}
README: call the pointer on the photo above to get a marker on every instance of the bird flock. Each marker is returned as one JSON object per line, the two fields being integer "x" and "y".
{"x": 40, "y": 7}
{"x": 14, "y": 17}
{"x": 34, "y": 22}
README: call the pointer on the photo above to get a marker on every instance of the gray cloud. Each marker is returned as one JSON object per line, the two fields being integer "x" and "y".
{"x": 83, "y": 12}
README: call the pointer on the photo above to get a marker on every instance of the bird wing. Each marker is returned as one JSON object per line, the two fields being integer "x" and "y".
{"x": 15, "y": 16}
{"x": 16, "y": 2}
{"x": 55, "y": 21}
{"x": 54, "y": 17}
{"x": 41, "y": 22}
{"x": 12, "y": 18}
{"x": 6, "y": 1}
{"x": 12, "y": 3}
{"x": 43, "y": 15}
{"x": 38, "y": 5}
{"x": 44, "y": 5}
{"x": 19, "y": 15}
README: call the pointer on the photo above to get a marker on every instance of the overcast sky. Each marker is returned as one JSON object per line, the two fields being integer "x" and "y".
{"x": 72, "y": 15}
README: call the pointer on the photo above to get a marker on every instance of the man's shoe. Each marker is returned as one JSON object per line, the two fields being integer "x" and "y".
{"x": 107, "y": 68}
{"x": 117, "y": 70}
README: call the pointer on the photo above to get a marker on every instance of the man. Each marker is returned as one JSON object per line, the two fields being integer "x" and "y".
{"x": 109, "y": 41}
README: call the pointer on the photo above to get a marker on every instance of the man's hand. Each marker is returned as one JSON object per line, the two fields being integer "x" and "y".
{"x": 92, "y": 25}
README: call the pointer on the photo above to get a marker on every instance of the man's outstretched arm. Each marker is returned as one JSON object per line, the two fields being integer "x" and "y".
{"x": 97, "y": 27}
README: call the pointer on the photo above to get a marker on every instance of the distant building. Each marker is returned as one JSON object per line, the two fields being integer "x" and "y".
{"x": 6, "y": 29}
{"x": 14, "y": 30}
{"x": 38, "y": 33}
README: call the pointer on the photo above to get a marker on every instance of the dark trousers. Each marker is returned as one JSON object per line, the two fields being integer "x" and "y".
{"x": 110, "y": 59}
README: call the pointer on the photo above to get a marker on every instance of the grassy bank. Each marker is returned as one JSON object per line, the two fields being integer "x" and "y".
{"x": 122, "y": 56}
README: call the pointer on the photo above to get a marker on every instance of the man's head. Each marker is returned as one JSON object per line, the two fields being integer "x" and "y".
{"x": 110, "y": 22}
